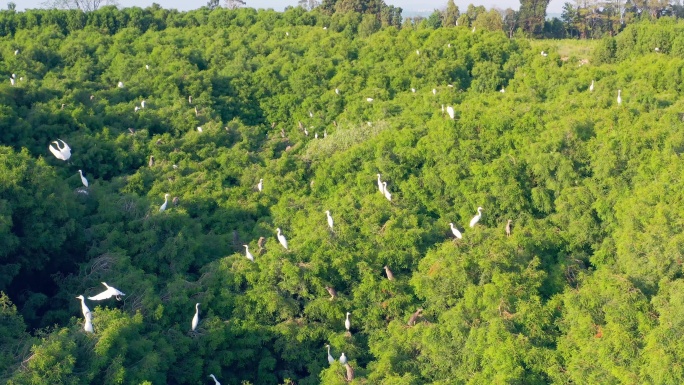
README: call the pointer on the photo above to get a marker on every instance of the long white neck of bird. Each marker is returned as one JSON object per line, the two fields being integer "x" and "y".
{"x": 328, "y": 349}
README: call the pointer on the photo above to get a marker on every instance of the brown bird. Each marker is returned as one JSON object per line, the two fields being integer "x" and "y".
{"x": 390, "y": 276}
{"x": 273, "y": 125}
{"x": 414, "y": 317}
{"x": 151, "y": 162}
{"x": 332, "y": 292}
{"x": 335, "y": 123}
{"x": 260, "y": 243}
{"x": 282, "y": 133}
{"x": 508, "y": 228}
{"x": 196, "y": 112}
{"x": 159, "y": 141}
{"x": 301, "y": 126}
{"x": 92, "y": 97}
{"x": 350, "y": 372}
{"x": 175, "y": 201}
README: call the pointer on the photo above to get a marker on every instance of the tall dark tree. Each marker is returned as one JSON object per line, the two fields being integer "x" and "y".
{"x": 531, "y": 15}
{"x": 451, "y": 14}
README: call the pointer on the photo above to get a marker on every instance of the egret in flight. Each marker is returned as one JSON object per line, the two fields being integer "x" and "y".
{"x": 63, "y": 153}
{"x": 282, "y": 239}
{"x": 83, "y": 179}
{"x": 195, "y": 318}
{"x": 454, "y": 230}
{"x": 476, "y": 218}
{"x": 110, "y": 292}
{"x": 248, "y": 254}
{"x": 166, "y": 201}
{"x": 215, "y": 380}
{"x": 330, "y": 220}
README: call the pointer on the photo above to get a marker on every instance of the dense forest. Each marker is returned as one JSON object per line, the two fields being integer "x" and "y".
{"x": 163, "y": 152}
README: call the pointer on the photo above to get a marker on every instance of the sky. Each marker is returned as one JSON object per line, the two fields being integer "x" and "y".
{"x": 407, "y": 5}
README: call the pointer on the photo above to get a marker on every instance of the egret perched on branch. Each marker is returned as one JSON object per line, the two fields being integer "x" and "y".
{"x": 142, "y": 104}
{"x": 215, "y": 380}
{"x": 83, "y": 179}
{"x": 166, "y": 201}
{"x": 544, "y": 54}
{"x": 508, "y": 228}
{"x": 332, "y": 292}
{"x": 337, "y": 91}
{"x": 248, "y": 254}
{"x": 369, "y": 100}
{"x": 330, "y": 357}
{"x": 386, "y": 191}
{"x": 343, "y": 359}
{"x": 502, "y": 90}
{"x": 390, "y": 276}
{"x": 330, "y": 220}
{"x": 120, "y": 85}
{"x": 619, "y": 98}
{"x": 88, "y": 326}
{"x": 260, "y": 185}
{"x": 199, "y": 129}
{"x": 195, "y": 318}
{"x": 414, "y": 317}
{"x": 450, "y": 111}
{"x": 147, "y": 67}
{"x": 454, "y": 230}
{"x": 591, "y": 87}
{"x": 476, "y": 218}
{"x": 12, "y": 81}
{"x": 151, "y": 161}
{"x": 434, "y": 91}
{"x": 63, "y": 153}
{"x": 347, "y": 323}
{"x": 282, "y": 239}
{"x": 381, "y": 187}
{"x": 110, "y": 292}
{"x": 16, "y": 52}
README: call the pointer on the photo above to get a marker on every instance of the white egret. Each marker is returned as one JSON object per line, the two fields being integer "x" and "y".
{"x": 450, "y": 85}
{"x": 619, "y": 98}
{"x": 502, "y": 90}
{"x": 414, "y": 317}
{"x": 449, "y": 45}
{"x": 260, "y": 185}
{"x": 417, "y": 52}
{"x": 369, "y": 100}
{"x": 282, "y": 239}
{"x": 147, "y": 67}
{"x": 508, "y": 228}
{"x": 386, "y": 191}
{"x": 330, "y": 220}
{"x": 215, "y": 380}
{"x": 166, "y": 201}
{"x": 343, "y": 359}
{"x": 337, "y": 91}
{"x": 287, "y": 34}
{"x": 544, "y": 54}
{"x": 151, "y": 161}
{"x": 381, "y": 187}
{"x": 450, "y": 111}
{"x": 195, "y": 318}
{"x": 110, "y": 292}
{"x": 325, "y": 28}
{"x": 473, "y": 30}
{"x": 347, "y": 323}
{"x": 591, "y": 87}
{"x": 63, "y": 153}
{"x": 330, "y": 357}
{"x": 190, "y": 99}
{"x": 142, "y": 104}
{"x": 12, "y": 81}
{"x": 332, "y": 292}
{"x": 120, "y": 85}
{"x": 310, "y": 114}
{"x": 16, "y": 52}
{"x": 136, "y": 109}
{"x": 84, "y": 308}
{"x": 476, "y": 218}
{"x": 413, "y": 90}
{"x": 83, "y": 179}
{"x": 315, "y": 135}
{"x": 248, "y": 254}
{"x": 390, "y": 276}
{"x": 657, "y": 49}
{"x": 88, "y": 326}
{"x": 325, "y": 134}
{"x": 199, "y": 129}
{"x": 434, "y": 91}
{"x": 454, "y": 230}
